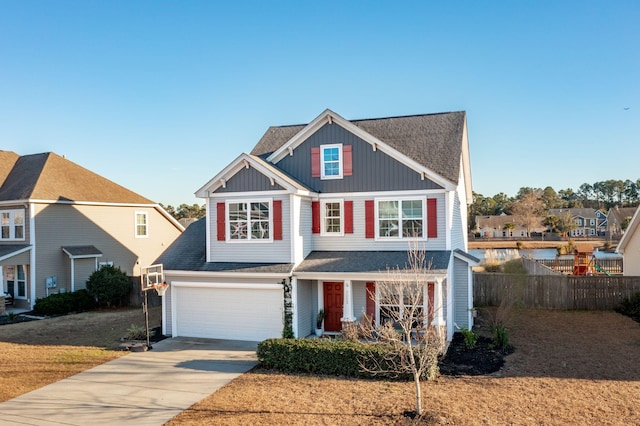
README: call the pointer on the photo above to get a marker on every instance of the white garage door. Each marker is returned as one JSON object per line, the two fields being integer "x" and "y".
{"x": 233, "y": 312}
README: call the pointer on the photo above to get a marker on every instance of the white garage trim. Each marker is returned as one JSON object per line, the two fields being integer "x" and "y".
{"x": 229, "y": 285}
{"x": 236, "y": 311}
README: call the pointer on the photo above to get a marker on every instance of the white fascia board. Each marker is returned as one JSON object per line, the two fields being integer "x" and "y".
{"x": 466, "y": 164}
{"x": 255, "y": 194}
{"x": 631, "y": 229}
{"x": 87, "y": 203}
{"x": 326, "y": 116}
{"x": 252, "y": 286}
{"x": 330, "y": 116}
{"x": 465, "y": 259}
{"x": 170, "y": 218}
{"x": 15, "y": 253}
{"x": 246, "y": 161}
{"x": 208, "y": 274}
{"x": 362, "y": 276}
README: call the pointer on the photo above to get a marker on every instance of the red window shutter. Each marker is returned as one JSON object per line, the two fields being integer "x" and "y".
{"x": 369, "y": 219}
{"x": 432, "y": 218}
{"x": 315, "y": 217}
{"x": 220, "y": 213}
{"x": 315, "y": 162}
{"x": 347, "y": 160}
{"x": 277, "y": 219}
{"x": 348, "y": 217}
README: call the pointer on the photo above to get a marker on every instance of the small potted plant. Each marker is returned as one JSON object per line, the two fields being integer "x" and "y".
{"x": 319, "y": 319}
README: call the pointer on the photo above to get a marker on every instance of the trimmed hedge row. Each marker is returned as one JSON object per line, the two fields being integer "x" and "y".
{"x": 324, "y": 356}
{"x": 63, "y": 303}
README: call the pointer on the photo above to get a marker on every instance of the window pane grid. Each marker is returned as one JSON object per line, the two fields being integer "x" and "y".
{"x": 249, "y": 221}
{"x": 400, "y": 219}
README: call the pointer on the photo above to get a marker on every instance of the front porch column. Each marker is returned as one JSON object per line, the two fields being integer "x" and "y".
{"x": 438, "y": 306}
{"x": 294, "y": 308}
{"x": 347, "y": 305}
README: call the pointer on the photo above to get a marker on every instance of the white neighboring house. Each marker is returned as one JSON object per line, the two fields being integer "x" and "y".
{"x": 324, "y": 209}
{"x": 629, "y": 247}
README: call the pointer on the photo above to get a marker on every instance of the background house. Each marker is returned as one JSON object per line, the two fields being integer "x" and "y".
{"x": 507, "y": 226}
{"x": 618, "y": 219}
{"x": 60, "y": 221}
{"x": 589, "y": 222}
{"x": 314, "y": 217}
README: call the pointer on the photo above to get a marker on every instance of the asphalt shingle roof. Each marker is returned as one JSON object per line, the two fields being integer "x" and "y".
{"x": 188, "y": 253}
{"x": 48, "y": 176}
{"x": 432, "y": 140}
{"x": 369, "y": 261}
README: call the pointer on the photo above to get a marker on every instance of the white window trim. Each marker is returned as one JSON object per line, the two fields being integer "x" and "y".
{"x": 340, "y": 161}
{"x": 323, "y": 231}
{"x": 146, "y": 227}
{"x": 227, "y": 222}
{"x": 12, "y": 225}
{"x": 400, "y": 236}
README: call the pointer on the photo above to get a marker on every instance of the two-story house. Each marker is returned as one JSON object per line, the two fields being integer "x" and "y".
{"x": 589, "y": 222}
{"x": 60, "y": 221}
{"x": 327, "y": 208}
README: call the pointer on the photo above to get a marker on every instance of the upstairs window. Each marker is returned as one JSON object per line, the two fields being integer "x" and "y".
{"x": 401, "y": 218}
{"x": 142, "y": 225}
{"x": 332, "y": 217}
{"x": 12, "y": 225}
{"x": 331, "y": 161}
{"x": 249, "y": 220}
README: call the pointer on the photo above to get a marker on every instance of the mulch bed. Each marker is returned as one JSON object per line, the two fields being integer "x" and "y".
{"x": 481, "y": 360}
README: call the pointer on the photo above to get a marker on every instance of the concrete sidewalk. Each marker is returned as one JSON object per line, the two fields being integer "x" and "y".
{"x": 145, "y": 388}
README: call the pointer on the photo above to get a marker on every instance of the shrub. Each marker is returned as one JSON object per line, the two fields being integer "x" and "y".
{"x": 470, "y": 338}
{"x": 324, "y": 356}
{"x": 630, "y": 307}
{"x": 109, "y": 285}
{"x": 500, "y": 335}
{"x": 63, "y": 303}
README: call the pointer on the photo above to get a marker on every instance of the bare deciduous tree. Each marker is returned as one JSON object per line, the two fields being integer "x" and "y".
{"x": 405, "y": 328}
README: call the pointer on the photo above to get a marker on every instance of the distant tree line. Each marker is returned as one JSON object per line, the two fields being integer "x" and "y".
{"x": 536, "y": 202}
{"x": 185, "y": 211}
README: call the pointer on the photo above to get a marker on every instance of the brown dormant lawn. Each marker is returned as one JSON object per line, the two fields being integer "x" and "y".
{"x": 568, "y": 368}
{"x": 36, "y": 353}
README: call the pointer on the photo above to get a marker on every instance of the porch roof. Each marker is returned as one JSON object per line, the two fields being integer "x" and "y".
{"x": 7, "y": 251}
{"x": 75, "y": 252}
{"x": 369, "y": 261}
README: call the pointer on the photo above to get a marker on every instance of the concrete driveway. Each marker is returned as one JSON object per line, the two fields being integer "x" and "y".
{"x": 144, "y": 388}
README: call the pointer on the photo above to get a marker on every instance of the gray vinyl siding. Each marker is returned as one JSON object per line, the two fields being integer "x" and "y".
{"x": 83, "y": 268}
{"x": 461, "y": 302}
{"x": 304, "y": 306}
{"x": 249, "y": 180}
{"x": 359, "y": 298}
{"x": 305, "y": 227}
{"x": 458, "y": 229}
{"x": 276, "y": 251}
{"x": 111, "y": 229}
{"x": 372, "y": 170}
{"x": 358, "y": 242}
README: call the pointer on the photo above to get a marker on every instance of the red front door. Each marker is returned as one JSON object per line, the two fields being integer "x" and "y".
{"x": 333, "y": 294}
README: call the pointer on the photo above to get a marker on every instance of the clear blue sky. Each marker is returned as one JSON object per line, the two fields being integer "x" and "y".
{"x": 159, "y": 96}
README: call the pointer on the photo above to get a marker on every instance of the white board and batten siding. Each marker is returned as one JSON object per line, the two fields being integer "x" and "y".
{"x": 272, "y": 251}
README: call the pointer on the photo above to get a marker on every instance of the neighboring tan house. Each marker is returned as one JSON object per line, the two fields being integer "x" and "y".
{"x": 59, "y": 222}
{"x": 325, "y": 209}
{"x": 618, "y": 219}
{"x": 507, "y": 226}
{"x": 629, "y": 247}
{"x": 590, "y": 223}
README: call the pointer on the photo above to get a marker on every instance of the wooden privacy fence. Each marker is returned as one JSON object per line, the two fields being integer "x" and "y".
{"x": 553, "y": 291}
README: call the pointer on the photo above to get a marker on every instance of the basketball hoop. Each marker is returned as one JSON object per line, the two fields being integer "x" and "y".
{"x": 161, "y": 288}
